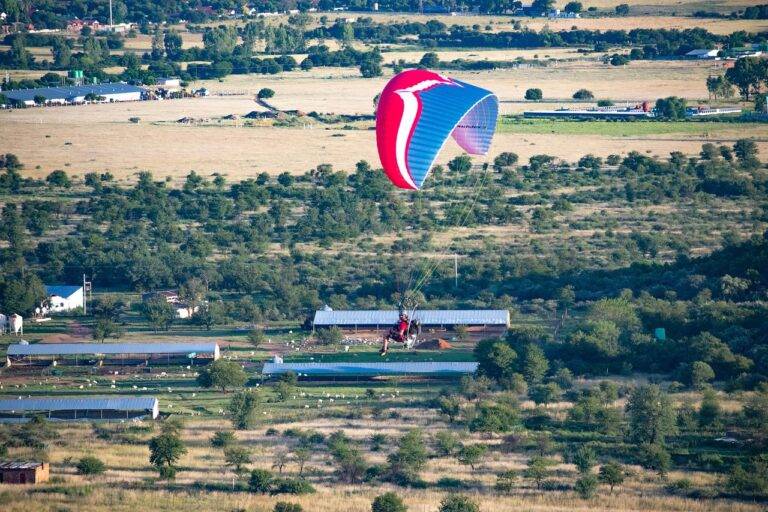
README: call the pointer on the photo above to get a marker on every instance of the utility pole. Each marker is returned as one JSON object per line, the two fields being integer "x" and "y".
{"x": 110, "y": 15}
{"x": 456, "y": 270}
{"x": 87, "y": 287}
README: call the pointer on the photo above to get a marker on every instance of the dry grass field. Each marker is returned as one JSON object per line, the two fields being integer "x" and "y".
{"x": 100, "y": 137}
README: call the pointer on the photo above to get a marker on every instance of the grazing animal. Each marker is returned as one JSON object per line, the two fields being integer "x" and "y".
{"x": 17, "y": 324}
{"x": 3, "y": 322}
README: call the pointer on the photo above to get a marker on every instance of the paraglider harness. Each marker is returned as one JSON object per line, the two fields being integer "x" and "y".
{"x": 409, "y": 335}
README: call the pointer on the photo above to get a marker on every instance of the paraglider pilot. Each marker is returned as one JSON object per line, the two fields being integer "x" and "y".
{"x": 398, "y": 332}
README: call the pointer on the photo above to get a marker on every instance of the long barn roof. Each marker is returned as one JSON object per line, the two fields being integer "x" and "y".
{"x": 374, "y": 369}
{"x": 62, "y": 349}
{"x": 426, "y": 317}
{"x": 71, "y": 92}
{"x": 129, "y": 403}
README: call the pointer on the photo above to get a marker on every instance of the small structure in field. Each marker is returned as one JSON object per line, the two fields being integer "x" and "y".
{"x": 24, "y": 472}
{"x": 63, "y": 298}
{"x": 79, "y": 409}
{"x": 183, "y": 310}
{"x": 111, "y": 353}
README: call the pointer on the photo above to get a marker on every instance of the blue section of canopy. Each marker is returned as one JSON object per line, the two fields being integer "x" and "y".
{"x": 444, "y": 107}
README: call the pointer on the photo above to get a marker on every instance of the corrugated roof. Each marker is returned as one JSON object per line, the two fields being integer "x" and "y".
{"x": 70, "y": 93}
{"x": 426, "y": 317}
{"x": 61, "y": 290}
{"x": 127, "y": 403}
{"x": 423, "y": 368}
{"x": 60, "y": 349}
{"x": 19, "y": 464}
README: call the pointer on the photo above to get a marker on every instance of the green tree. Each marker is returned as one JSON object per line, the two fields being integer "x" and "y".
{"x": 494, "y": 418}
{"x": 545, "y": 393}
{"x": 747, "y": 75}
{"x": 584, "y": 458}
{"x": 159, "y": 313}
{"x": 90, "y": 466}
{"x": 651, "y": 415}
{"x": 165, "y": 451}
{"x": 535, "y": 364}
{"x": 58, "y": 178}
{"x": 172, "y": 44}
{"x": 505, "y": 481}
{"x": 237, "y": 457}
{"x": 657, "y": 458}
{"x": 449, "y": 406}
{"x": 583, "y": 94}
{"x": 746, "y": 152}
{"x": 672, "y": 108}
{"x": 429, "y": 60}
{"x": 260, "y": 481}
{"x": 242, "y": 408}
{"x": 265, "y": 93}
{"x": 505, "y": 159}
{"x": 223, "y": 374}
{"x": 700, "y": 374}
{"x": 612, "y": 474}
{"x": 709, "y": 411}
{"x": 256, "y": 337}
{"x": 388, "y": 502}
{"x": 534, "y": 94}
{"x": 223, "y": 439}
{"x": 106, "y": 328}
{"x": 407, "y": 462}
{"x": 458, "y": 503}
{"x": 330, "y": 336}
{"x": 586, "y": 486}
{"x": 538, "y": 470}
{"x": 471, "y": 454}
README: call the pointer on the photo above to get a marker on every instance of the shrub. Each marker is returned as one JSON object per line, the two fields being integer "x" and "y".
{"x": 388, "y": 502}
{"x": 458, "y": 503}
{"x": 534, "y": 94}
{"x": 505, "y": 482}
{"x": 91, "y": 465}
{"x": 291, "y": 486}
{"x": 167, "y": 472}
{"x": 586, "y": 486}
{"x": 284, "y": 506}
{"x": 260, "y": 481}
{"x": 583, "y": 94}
{"x": 222, "y": 439}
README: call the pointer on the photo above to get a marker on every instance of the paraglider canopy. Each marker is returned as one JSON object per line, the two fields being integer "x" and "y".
{"x": 417, "y": 112}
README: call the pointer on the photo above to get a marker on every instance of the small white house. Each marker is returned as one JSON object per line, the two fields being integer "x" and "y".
{"x": 64, "y": 298}
{"x": 168, "y": 82}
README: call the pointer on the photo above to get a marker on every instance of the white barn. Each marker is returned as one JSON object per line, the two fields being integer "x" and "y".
{"x": 64, "y": 298}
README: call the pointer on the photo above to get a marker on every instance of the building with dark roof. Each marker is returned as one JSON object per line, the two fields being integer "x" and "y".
{"x": 24, "y": 472}
{"x": 111, "y": 353}
{"x": 79, "y": 409}
{"x": 64, "y": 298}
{"x": 76, "y": 94}
{"x": 342, "y": 370}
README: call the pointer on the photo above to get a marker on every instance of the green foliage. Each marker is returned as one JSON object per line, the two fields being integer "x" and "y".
{"x": 159, "y": 313}
{"x": 750, "y": 478}
{"x": 505, "y": 481}
{"x": 494, "y": 418}
{"x": 709, "y": 411}
{"x": 260, "y": 481}
{"x": 58, "y": 178}
{"x": 242, "y": 408}
{"x": 223, "y": 374}
{"x": 612, "y": 474}
{"x": 237, "y": 457}
{"x": 656, "y": 457}
{"x": 672, "y": 108}
{"x": 388, "y": 502}
{"x": 449, "y": 406}
{"x": 538, "y": 470}
{"x": 330, "y": 336}
{"x": 256, "y": 337}
{"x": 223, "y": 439}
{"x": 410, "y": 458}
{"x": 165, "y": 450}
{"x": 651, "y": 415}
{"x": 534, "y": 94}
{"x": 458, "y": 503}
{"x": 471, "y": 454}
{"x": 583, "y": 94}
{"x": 90, "y": 466}
{"x": 584, "y": 458}
{"x": 446, "y": 442}
{"x": 265, "y": 93}
{"x": 586, "y": 486}
{"x": 283, "y": 506}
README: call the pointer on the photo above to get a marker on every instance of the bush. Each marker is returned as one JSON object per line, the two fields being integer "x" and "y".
{"x": 291, "y": 486}
{"x": 283, "y": 506}
{"x": 586, "y": 486}
{"x": 458, "y": 503}
{"x": 505, "y": 482}
{"x": 91, "y": 466}
{"x": 583, "y": 94}
{"x": 260, "y": 481}
{"x": 388, "y": 502}
{"x": 223, "y": 439}
{"x": 167, "y": 472}
{"x": 534, "y": 94}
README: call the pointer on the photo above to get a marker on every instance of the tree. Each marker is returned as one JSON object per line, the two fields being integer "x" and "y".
{"x": 656, "y": 457}
{"x": 584, "y": 458}
{"x": 260, "y": 481}
{"x": 388, "y": 502}
{"x": 573, "y": 7}
{"x": 746, "y": 75}
{"x": 458, "y": 503}
{"x": 505, "y": 159}
{"x": 651, "y": 415}
{"x": 542, "y": 6}
{"x": 223, "y": 439}
{"x": 58, "y": 178}
{"x": 505, "y": 482}
{"x": 534, "y": 94}
{"x": 265, "y": 93}
{"x": 709, "y": 411}
{"x": 172, "y": 44}
{"x": 106, "y": 328}
{"x": 429, "y": 60}
{"x": 446, "y": 442}
{"x": 301, "y": 456}
{"x": 538, "y": 470}
{"x": 330, "y": 336}
{"x": 237, "y": 457}
{"x": 369, "y": 68}
{"x": 256, "y": 337}
{"x": 612, "y": 474}
{"x": 223, "y": 374}
{"x": 535, "y": 364}
{"x": 494, "y": 418}
{"x": 350, "y": 461}
{"x": 496, "y": 359}
{"x": 90, "y": 466}
{"x": 545, "y": 393}
{"x": 586, "y": 486}
{"x": 622, "y": 9}
{"x": 719, "y": 87}
{"x": 407, "y": 462}
{"x": 746, "y": 152}
{"x": 449, "y": 406}
{"x": 700, "y": 374}
{"x": 159, "y": 313}
{"x": 242, "y": 407}
{"x": 164, "y": 451}
{"x": 583, "y": 94}
{"x": 284, "y": 506}
{"x": 672, "y": 108}
{"x": 471, "y": 454}
{"x": 172, "y": 425}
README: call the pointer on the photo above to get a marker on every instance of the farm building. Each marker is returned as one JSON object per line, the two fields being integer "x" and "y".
{"x": 702, "y": 53}
{"x": 76, "y": 94}
{"x": 64, "y": 298}
{"x": 368, "y": 370}
{"x": 481, "y": 322}
{"x": 111, "y": 353}
{"x": 76, "y": 409}
{"x": 168, "y": 83}
{"x": 182, "y": 310}
{"x": 593, "y": 113}
{"x": 17, "y": 472}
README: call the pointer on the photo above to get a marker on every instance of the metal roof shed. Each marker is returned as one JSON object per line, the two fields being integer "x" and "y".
{"x": 76, "y": 409}
{"x": 59, "y": 349}
{"x": 371, "y": 369}
{"x": 433, "y": 317}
